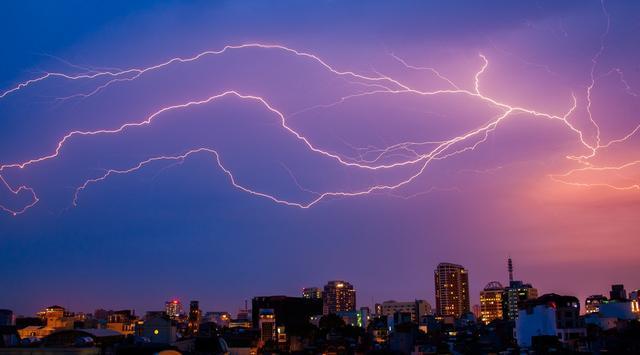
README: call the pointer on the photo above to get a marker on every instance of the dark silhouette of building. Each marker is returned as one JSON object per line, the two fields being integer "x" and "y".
{"x": 9, "y": 336}
{"x": 6, "y": 317}
{"x": 618, "y": 293}
{"x": 338, "y": 296}
{"x": 291, "y": 312}
{"x": 452, "y": 290}
{"x": 195, "y": 316}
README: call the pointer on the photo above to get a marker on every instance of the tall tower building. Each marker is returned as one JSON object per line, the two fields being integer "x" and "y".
{"x": 173, "y": 309}
{"x": 338, "y": 296}
{"x": 515, "y": 295}
{"x": 452, "y": 290}
{"x": 491, "y": 302}
{"x": 195, "y": 316}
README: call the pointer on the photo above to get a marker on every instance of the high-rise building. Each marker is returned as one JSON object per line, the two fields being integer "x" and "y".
{"x": 617, "y": 293}
{"x": 452, "y": 290}
{"x": 313, "y": 293}
{"x": 338, "y": 296}
{"x": 491, "y": 302}
{"x": 515, "y": 295}
{"x": 593, "y": 302}
{"x": 173, "y": 309}
{"x": 195, "y": 316}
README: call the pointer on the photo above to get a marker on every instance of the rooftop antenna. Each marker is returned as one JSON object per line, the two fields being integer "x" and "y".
{"x": 510, "y": 265}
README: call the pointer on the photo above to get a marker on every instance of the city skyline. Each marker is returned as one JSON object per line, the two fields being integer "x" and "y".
{"x": 220, "y": 151}
{"x": 174, "y": 306}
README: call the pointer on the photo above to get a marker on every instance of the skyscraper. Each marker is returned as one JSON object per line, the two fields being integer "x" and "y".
{"x": 338, "y": 296}
{"x": 452, "y": 290}
{"x": 491, "y": 302}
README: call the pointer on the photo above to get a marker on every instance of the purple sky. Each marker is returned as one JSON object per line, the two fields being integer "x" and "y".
{"x": 401, "y": 135}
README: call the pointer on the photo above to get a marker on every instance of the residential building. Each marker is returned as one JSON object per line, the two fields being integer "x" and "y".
{"x": 338, "y": 296}
{"x": 452, "y": 290}
{"x": 491, "y": 302}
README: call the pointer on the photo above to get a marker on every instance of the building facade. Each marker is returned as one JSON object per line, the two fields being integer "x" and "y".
{"x": 452, "y": 290}
{"x": 491, "y": 302}
{"x": 338, "y": 296}
{"x": 313, "y": 293}
{"x": 173, "y": 309}
{"x": 266, "y": 324}
{"x": 515, "y": 296}
{"x": 161, "y": 330}
{"x": 417, "y": 309}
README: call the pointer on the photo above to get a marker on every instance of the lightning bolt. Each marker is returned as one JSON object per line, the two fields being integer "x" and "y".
{"x": 405, "y": 154}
